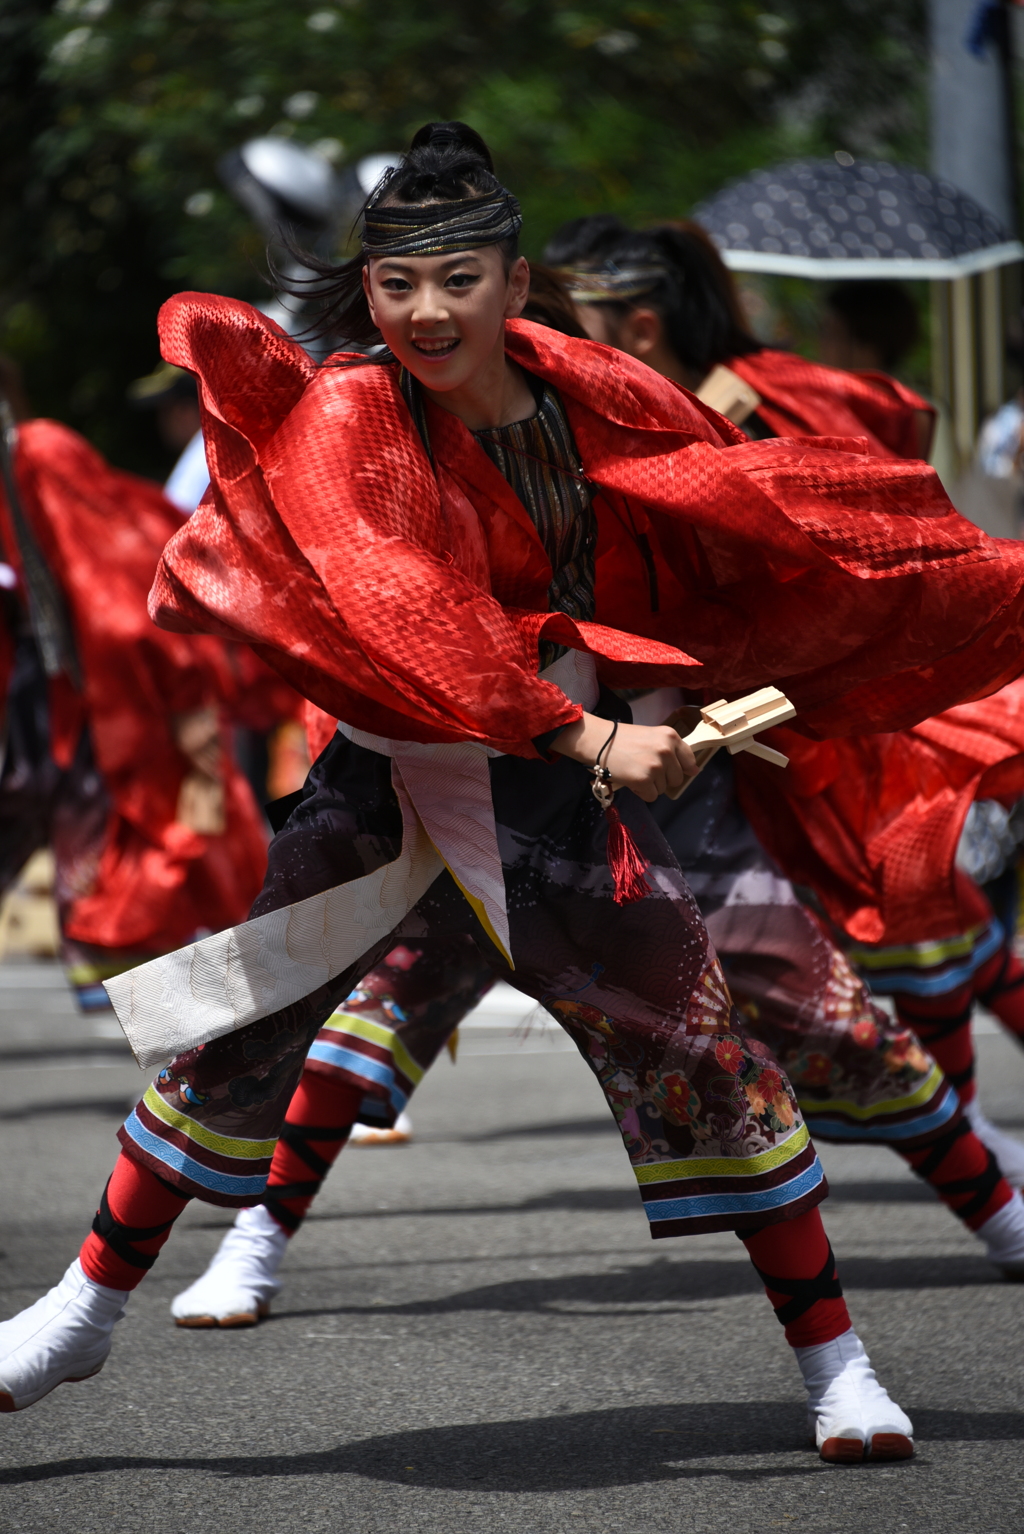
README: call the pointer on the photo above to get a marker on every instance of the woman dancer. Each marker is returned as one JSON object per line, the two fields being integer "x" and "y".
{"x": 859, "y": 1077}
{"x": 113, "y": 752}
{"x": 363, "y": 537}
{"x": 882, "y": 863}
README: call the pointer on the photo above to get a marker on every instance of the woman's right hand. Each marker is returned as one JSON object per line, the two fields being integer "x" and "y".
{"x": 649, "y": 759}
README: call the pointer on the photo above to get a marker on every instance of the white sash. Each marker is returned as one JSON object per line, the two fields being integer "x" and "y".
{"x": 235, "y": 977}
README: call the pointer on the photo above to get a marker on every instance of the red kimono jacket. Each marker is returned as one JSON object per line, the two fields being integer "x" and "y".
{"x": 806, "y": 399}
{"x": 872, "y": 824}
{"x": 407, "y": 596}
{"x": 101, "y": 532}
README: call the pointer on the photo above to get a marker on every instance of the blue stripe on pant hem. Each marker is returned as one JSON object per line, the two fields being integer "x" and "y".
{"x": 911, "y": 1129}
{"x": 700, "y": 1206}
{"x": 359, "y": 1065}
{"x": 178, "y": 1161}
{"x": 919, "y": 982}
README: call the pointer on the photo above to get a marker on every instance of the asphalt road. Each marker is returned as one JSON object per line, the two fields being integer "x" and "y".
{"x": 477, "y": 1333}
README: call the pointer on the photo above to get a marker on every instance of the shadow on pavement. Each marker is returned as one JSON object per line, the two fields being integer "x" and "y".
{"x": 905, "y": 1191}
{"x": 105, "y": 1107}
{"x": 604, "y": 1124}
{"x": 618, "y": 1447}
{"x": 663, "y": 1282}
{"x": 606, "y": 1200}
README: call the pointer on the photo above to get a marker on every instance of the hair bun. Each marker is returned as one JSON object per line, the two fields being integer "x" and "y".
{"x": 453, "y": 135}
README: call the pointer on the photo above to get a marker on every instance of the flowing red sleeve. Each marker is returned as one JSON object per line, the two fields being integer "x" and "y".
{"x": 849, "y": 582}
{"x": 383, "y": 592}
{"x": 328, "y": 543}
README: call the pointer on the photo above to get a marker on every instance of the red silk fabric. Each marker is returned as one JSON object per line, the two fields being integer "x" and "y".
{"x": 101, "y": 532}
{"x": 407, "y": 599}
{"x": 805, "y": 399}
{"x": 872, "y": 824}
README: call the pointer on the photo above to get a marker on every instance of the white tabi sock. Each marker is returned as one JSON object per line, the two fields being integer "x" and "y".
{"x": 240, "y": 1282}
{"x": 62, "y": 1337}
{"x": 1003, "y": 1235}
{"x": 1008, "y": 1152}
{"x": 366, "y": 1136}
{"x": 851, "y": 1415}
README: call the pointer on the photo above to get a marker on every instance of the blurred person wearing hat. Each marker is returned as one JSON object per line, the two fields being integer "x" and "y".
{"x": 171, "y": 394}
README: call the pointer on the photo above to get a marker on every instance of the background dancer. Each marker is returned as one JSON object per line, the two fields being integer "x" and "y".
{"x": 633, "y": 980}
{"x": 665, "y": 296}
{"x": 115, "y": 755}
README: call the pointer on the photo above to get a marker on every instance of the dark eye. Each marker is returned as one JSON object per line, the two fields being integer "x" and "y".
{"x": 462, "y": 280}
{"x": 396, "y": 285}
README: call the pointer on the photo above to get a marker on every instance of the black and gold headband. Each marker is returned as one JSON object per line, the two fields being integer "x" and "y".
{"x": 610, "y": 283}
{"x": 437, "y": 228}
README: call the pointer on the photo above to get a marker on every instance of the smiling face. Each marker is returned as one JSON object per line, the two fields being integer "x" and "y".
{"x": 443, "y": 317}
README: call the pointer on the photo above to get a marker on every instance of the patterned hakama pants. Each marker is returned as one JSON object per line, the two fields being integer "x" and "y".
{"x": 707, "y": 1115}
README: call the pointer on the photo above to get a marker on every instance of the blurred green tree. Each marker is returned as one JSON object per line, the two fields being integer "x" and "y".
{"x": 114, "y": 113}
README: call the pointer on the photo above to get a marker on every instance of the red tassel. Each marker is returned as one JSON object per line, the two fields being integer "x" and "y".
{"x": 626, "y": 861}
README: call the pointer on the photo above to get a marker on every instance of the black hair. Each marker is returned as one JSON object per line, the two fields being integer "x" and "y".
{"x": 584, "y": 239}
{"x": 445, "y": 162}
{"x": 696, "y": 298}
{"x": 550, "y": 303}
{"x": 11, "y": 388}
{"x": 881, "y": 315}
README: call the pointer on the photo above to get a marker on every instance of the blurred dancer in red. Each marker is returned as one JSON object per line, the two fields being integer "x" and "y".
{"x": 114, "y": 751}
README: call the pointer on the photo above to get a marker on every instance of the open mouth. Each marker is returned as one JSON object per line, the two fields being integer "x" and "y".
{"x": 436, "y": 350}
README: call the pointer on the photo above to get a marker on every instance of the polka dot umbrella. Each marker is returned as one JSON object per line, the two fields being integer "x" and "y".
{"x": 853, "y": 218}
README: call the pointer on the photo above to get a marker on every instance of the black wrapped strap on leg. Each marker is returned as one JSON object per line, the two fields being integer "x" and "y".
{"x": 805, "y": 1292}
{"x": 296, "y": 1137}
{"x": 273, "y": 1200}
{"x": 960, "y": 1079}
{"x": 928, "y": 1028}
{"x": 981, "y": 1188}
{"x": 120, "y": 1237}
{"x": 940, "y": 1149}
{"x": 998, "y": 986}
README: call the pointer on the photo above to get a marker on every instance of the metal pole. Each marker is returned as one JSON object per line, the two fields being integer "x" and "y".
{"x": 965, "y": 395}
{"x": 992, "y": 349}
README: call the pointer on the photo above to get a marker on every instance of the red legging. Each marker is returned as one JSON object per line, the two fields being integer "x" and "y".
{"x": 795, "y": 1263}
{"x": 793, "y": 1258}
{"x": 132, "y": 1223}
{"x": 138, "y": 1209}
{"x": 959, "y": 1168}
{"x": 320, "y": 1119}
